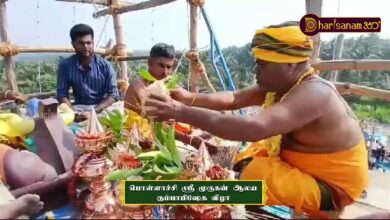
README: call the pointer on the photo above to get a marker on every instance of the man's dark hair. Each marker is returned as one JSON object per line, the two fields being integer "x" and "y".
{"x": 80, "y": 30}
{"x": 162, "y": 50}
{"x": 285, "y": 24}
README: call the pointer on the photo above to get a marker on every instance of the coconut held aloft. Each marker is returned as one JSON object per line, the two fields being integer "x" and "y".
{"x": 156, "y": 88}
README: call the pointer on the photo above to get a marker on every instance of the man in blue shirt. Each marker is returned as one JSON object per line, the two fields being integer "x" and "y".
{"x": 91, "y": 77}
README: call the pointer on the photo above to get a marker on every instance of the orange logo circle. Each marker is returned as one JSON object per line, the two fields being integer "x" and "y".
{"x": 308, "y": 24}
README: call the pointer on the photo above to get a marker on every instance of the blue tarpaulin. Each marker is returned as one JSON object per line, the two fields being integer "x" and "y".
{"x": 280, "y": 211}
{"x": 66, "y": 212}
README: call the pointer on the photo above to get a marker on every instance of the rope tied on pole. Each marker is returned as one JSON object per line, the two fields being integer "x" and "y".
{"x": 198, "y": 70}
{"x": 197, "y": 3}
{"x": 8, "y": 49}
{"x": 195, "y": 62}
{"x": 112, "y": 9}
{"x": 118, "y": 51}
{"x": 123, "y": 85}
{"x": 193, "y": 56}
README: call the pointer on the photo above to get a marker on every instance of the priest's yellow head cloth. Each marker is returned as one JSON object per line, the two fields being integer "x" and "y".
{"x": 284, "y": 43}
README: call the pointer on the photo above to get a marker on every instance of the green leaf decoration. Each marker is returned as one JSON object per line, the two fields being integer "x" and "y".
{"x": 174, "y": 81}
{"x": 105, "y": 121}
{"x": 116, "y": 122}
{"x": 122, "y": 174}
{"x": 147, "y": 76}
{"x": 171, "y": 145}
{"x": 160, "y": 170}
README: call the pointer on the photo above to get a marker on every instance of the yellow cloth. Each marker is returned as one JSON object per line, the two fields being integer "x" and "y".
{"x": 291, "y": 178}
{"x": 282, "y": 45}
{"x": 146, "y": 128}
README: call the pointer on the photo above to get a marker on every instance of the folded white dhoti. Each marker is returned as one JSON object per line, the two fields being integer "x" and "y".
{"x": 86, "y": 108}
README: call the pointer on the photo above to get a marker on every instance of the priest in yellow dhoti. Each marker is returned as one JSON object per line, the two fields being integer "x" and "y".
{"x": 308, "y": 146}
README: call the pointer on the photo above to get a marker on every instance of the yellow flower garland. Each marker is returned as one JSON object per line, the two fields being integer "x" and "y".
{"x": 143, "y": 125}
{"x": 274, "y": 143}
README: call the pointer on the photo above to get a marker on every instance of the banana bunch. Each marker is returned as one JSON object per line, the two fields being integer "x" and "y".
{"x": 12, "y": 125}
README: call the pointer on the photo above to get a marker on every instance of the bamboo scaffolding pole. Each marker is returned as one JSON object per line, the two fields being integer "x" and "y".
{"x": 337, "y": 52}
{"x": 315, "y": 7}
{"x": 342, "y": 88}
{"x": 194, "y": 77}
{"x": 120, "y": 40}
{"x": 135, "y": 7}
{"x": 350, "y": 64}
{"x": 131, "y": 58}
{"x": 97, "y": 2}
{"x": 197, "y": 68}
{"x": 140, "y": 57}
{"x": 24, "y": 49}
{"x": 194, "y": 27}
{"x": 353, "y": 65}
{"x": 42, "y": 95}
{"x": 8, "y": 60}
{"x": 102, "y": 51}
{"x": 352, "y": 89}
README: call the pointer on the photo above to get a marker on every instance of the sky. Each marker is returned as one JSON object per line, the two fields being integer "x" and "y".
{"x": 47, "y": 22}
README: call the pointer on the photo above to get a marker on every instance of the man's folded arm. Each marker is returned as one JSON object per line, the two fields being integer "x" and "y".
{"x": 111, "y": 91}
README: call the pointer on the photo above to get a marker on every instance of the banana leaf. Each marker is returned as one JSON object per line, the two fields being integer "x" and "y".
{"x": 146, "y": 75}
{"x": 151, "y": 155}
{"x": 171, "y": 145}
{"x": 174, "y": 81}
{"x": 122, "y": 174}
{"x": 159, "y": 170}
{"x": 160, "y": 133}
